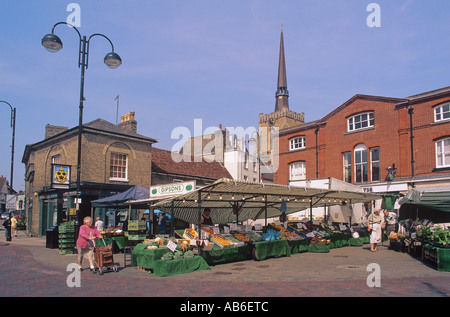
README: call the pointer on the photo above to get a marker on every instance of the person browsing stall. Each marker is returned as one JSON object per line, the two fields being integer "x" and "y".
{"x": 99, "y": 224}
{"x": 206, "y": 218}
{"x": 391, "y": 221}
{"x": 86, "y": 242}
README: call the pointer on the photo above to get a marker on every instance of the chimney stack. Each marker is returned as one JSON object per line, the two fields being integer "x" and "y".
{"x": 128, "y": 123}
{"x": 51, "y": 130}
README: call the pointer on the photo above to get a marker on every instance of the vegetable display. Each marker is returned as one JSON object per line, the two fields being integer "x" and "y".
{"x": 435, "y": 235}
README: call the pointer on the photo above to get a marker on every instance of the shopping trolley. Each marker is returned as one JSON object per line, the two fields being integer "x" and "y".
{"x": 103, "y": 258}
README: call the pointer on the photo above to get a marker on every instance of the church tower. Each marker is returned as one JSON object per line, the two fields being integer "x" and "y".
{"x": 282, "y": 117}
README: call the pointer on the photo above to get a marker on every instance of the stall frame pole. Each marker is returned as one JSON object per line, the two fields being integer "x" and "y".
{"x": 199, "y": 201}
{"x": 172, "y": 221}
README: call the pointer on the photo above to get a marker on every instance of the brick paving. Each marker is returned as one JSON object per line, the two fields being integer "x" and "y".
{"x": 28, "y": 268}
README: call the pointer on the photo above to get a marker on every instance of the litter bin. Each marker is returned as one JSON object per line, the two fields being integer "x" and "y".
{"x": 52, "y": 238}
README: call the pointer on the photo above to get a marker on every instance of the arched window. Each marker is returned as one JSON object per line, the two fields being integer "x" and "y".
{"x": 361, "y": 167}
{"x": 360, "y": 121}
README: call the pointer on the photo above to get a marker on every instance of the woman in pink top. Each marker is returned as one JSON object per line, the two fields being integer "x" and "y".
{"x": 86, "y": 242}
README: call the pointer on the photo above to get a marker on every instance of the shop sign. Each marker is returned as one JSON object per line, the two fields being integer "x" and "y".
{"x": 60, "y": 176}
{"x": 10, "y": 202}
{"x": 386, "y": 188}
{"x": 172, "y": 189}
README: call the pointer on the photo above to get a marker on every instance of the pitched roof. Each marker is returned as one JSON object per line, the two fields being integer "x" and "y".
{"x": 103, "y": 125}
{"x": 162, "y": 162}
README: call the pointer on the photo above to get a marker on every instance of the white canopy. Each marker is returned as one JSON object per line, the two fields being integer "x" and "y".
{"x": 230, "y": 200}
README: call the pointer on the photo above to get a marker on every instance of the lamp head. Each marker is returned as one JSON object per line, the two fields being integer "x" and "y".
{"x": 52, "y": 43}
{"x": 112, "y": 60}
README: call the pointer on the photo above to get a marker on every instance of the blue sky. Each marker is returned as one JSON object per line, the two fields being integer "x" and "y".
{"x": 214, "y": 60}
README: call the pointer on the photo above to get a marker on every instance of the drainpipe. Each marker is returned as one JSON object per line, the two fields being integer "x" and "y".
{"x": 317, "y": 152}
{"x": 410, "y": 112}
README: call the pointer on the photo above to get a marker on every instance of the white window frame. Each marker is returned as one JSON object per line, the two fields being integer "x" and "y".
{"x": 359, "y": 149}
{"x": 347, "y": 166}
{"x": 295, "y": 175}
{"x": 296, "y": 143}
{"x": 358, "y": 119}
{"x": 56, "y": 159}
{"x": 373, "y": 162}
{"x": 112, "y": 174}
{"x": 441, "y": 154}
{"x": 442, "y": 112}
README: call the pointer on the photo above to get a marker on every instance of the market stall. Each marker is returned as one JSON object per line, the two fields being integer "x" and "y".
{"x": 165, "y": 257}
{"x": 424, "y": 240}
{"x": 431, "y": 203}
{"x": 129, "y": 231}
{"x": 424, "y": 221}
{"x": 234, "y": 202}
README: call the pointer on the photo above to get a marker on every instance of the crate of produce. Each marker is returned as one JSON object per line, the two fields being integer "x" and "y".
{"x": 190, "y": 234}
{"x": 137, "y": 237}
{"x": 221, "y": 242}
{"x": 241, "y": 237}
{"x": 137, "y": 225}
{"x": 288, "y": 235}
{"x": 235, "y": 241}
{"x": 209, "y": 232}
{"x": 429, "y": 255}
{"x": 297, "y": 232}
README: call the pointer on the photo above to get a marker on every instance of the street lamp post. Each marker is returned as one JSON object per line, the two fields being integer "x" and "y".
{"x": 13, "y": 126}
{"x": 53, "y": 44}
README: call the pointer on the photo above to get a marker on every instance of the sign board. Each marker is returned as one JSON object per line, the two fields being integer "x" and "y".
{"x": 72, "y": 212}
{"x": 10, "y": 202}
{"x": 60, "y": 176}
{"x": 386, "y": 188}
{"x": 172, "y": 189}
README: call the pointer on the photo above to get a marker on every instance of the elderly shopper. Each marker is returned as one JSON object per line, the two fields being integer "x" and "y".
{"x": 375, "y": 223}
{"x": 86, "y": 243}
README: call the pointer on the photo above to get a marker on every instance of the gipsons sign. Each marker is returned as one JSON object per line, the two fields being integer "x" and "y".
{"x": 172, "y": 189}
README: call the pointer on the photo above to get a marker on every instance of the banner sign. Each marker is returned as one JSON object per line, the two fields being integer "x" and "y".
{"x": 172, "y": 189}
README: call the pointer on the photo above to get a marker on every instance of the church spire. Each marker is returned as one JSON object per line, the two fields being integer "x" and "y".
{"x": 282, "y": 94}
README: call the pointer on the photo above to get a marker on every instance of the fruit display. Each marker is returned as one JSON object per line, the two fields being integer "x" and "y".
{"x": 241, "y": 237}
{"x": 137, "y": 225}
{"x": 190, "y": 234}
{"x": 287, "y": 235}
{"x": 112, "y": 232}
{"x": 221, "y": 241}
{"x": 209, "y": 232}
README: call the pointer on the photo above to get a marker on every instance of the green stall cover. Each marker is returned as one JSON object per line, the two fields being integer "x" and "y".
{"x": 426, "y": 203}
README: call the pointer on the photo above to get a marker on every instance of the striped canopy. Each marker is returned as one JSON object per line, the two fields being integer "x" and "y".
{"x": 231, "y": 200}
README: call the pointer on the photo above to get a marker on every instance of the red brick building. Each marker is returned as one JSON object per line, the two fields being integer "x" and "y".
{"x": 358, "y": 141}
